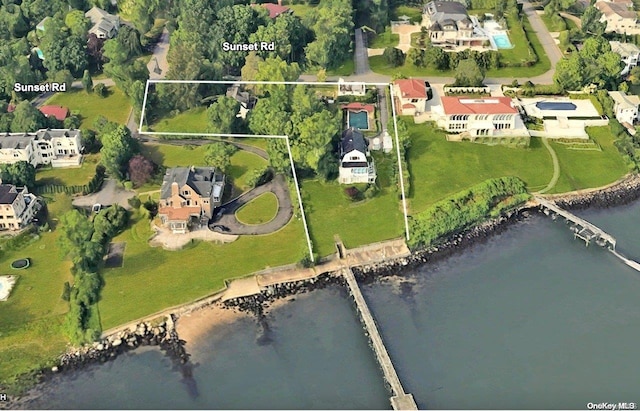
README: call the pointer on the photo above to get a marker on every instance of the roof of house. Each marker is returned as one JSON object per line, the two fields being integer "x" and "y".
{"x": 624, "y": 49}
{"x": 355, "y": 106}
{"x": 412, "y": 88}
{"x": 619, "y": 9}
{"x": 445, "y": 10}
{"x": 626, "y": 101}
{"x": 40, "y": 26}
{"x": 179, "y": 213}
{"x": 22, "y": 140}
{"x": 275, "y": 9}
{"x": 489, "y": 105}
{"x": 243, "y": 97}
{"x": 101, "y": 20}
{"x": 352, "y": 139}
{"x": 58, "y": 112}
{"x": 8, "y": 193}
{"x": 200, "y": 179}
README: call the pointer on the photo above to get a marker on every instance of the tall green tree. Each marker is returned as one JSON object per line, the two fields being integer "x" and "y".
{"x": 469, "y": 74}
{"x": 591, "y": 24}
{"x": 19, "y": 174}
{"x": 75, "y": 240}
{"x": 117, "y": 149}
{"x": 87, "y": 82}
{"x": 27, "y": 118}
{"x": 222, "y": 116}
{"x": 219, "y": 154}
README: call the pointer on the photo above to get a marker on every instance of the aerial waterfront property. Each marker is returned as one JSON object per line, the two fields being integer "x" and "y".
{"x": 245, "y": 173}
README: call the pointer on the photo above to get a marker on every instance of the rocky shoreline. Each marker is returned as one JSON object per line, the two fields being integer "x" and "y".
{"x": 164, "y": 335}
{"x": 160, "y": 333}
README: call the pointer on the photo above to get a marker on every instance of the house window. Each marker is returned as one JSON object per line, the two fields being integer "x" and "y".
{"x": 16, "y": 154}
{"x": 414, "y": 100}
{"x": 185, "y": 193}
{"x": 353, "y": 158}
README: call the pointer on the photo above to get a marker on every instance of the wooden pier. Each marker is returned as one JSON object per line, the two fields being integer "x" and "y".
{"x": 586, "y": 231}
{"x": 581, "y": 228}
{"x": 400, "y": 399}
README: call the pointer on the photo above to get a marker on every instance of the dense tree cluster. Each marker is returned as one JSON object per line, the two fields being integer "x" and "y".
{"x": 85, "y": 242}
{"x": 595, "y": 63}
{"x": 20, "y": 174}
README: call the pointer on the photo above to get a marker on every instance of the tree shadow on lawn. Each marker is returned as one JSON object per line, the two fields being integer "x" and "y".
{"x": 153, "y": 153}
{"x": 138, "y": 261}
{"x": 56, "y": 181}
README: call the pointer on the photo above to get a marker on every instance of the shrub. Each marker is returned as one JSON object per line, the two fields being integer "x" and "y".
{"x": 353, "y": 193}
{"x": 135, "y": 202}
{"x": 100, "y": 90}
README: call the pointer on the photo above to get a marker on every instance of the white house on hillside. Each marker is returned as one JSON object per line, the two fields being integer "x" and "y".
{"x": 17, "y": 207}
{"x": 625, "y": 107}
{"x": 411, "y": 96}
{"x": 58, "y": 147}
{"x": 629, "y": 54}
{"x": 489, "y": 116}
{"x": 356, "y": 165}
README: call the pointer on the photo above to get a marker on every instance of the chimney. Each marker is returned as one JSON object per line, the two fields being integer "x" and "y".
{"x": 279, "y": 2}
{"x": 174, "y": 189}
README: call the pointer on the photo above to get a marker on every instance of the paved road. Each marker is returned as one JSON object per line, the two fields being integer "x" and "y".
{"x": 158, "y": 65}
{"x": 277, "y": 186}
{"x": 361, "y": 56}
{"x": 109, "y": 194}
{"x": 550, "y": 46}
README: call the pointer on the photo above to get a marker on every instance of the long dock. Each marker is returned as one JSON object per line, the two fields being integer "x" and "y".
{"x": 582, "y": 228}
{"x": 400, "y": 399}
{"x": 587, "y": 231}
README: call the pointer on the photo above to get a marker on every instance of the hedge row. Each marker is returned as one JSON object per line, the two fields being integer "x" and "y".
{"x": 466, "y": 208}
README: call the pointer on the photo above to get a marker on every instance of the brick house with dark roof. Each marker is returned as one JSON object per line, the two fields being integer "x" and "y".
{"x": 189, "y": 195}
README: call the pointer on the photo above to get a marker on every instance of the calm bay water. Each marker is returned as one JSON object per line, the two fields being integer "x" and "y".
{"x": 530, "y": 319}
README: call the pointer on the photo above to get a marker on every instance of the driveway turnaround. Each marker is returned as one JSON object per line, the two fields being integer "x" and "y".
{"x": 277, "y": 186}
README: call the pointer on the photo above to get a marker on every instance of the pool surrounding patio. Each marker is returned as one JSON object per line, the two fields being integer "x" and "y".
{"x": 358, "y": 119}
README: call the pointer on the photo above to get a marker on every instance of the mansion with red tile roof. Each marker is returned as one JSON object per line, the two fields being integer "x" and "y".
{"x": 411, "y": 96}
{"x": 489, "y": 116}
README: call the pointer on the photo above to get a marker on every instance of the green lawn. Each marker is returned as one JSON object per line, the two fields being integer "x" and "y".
{"x": 30, "y": 320}
{"x": 191, "y": 121}
{"x": 581, "y": 169}
{"x": 347, "y": 68}
{"x": 69, "y": 176}
{"x": 260, "y": 210}
{"x": 385, "y": 39}
{"x": 302, "y": 10}
{"x": 115, "y": 106}
{"x": 517, "y": 54}
{"x": 414, "y": 13}
{"x": 329, "y": 212}
{"x": 551, "y": 26}
{"x": 139, "y": 288}
{"x": 440, "y": 168}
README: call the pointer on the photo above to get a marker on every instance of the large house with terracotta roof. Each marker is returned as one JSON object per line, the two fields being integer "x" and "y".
{"x": 489, "y": 116}
{"x": 411, "y": 96}
{"x": 189, "y": 195}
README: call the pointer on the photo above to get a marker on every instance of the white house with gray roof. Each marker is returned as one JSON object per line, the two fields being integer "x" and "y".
{"x": 629, "y": 54}
{"x": 356, "y": 164}
{"x": 104, "y": 24}
{"x": 450, "y": 26}
{"x": 58, "y": 147}
{"x": 189, "y": 195}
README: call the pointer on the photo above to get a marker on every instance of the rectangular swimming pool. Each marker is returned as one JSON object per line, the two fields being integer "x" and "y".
{"x": 358, "y": 119}
{"x": 502, "y": 41}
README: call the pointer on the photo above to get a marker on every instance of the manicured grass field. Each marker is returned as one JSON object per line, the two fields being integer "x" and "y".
{"x": 440, "y": 168}
{"x": 139, "y": 288}
{"x": 190, "y": 121}
{"x": 30, "y": 320}
{"x": 347, "y": 68}
{"x": 69, "y": 176}
{"x": 581, "y": 169}
{"x": 114, "y": 107}
{"x": 260, "y": 210}
{"x": 517, "y": 54}
{"x": 414, "y": 13}
{"x": 385, "y": 39}
{"x": 329, "y": 212}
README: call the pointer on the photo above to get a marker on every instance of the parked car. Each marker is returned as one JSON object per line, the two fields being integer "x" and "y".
{"x": 218, "y": 214}
{"x": 221, "y": 228}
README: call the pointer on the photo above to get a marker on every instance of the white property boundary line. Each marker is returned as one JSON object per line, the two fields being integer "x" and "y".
{"x": 285, "y": 137}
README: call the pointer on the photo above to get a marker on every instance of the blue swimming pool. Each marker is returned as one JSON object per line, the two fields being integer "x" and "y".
{"x": 502, "y": 41}
{"x": 555, "y": 105}
{"x": 358, "y": 119}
